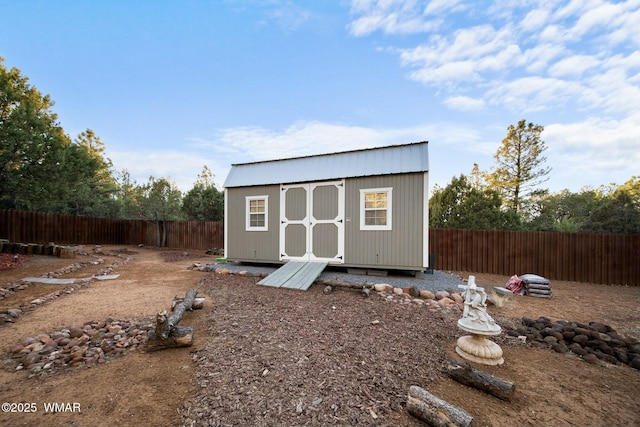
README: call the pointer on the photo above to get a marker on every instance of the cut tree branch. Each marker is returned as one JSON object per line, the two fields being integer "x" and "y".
{"x": 467, "y": 375}
{"x": 166, "y": 333}
{"x": 435, "y": 411}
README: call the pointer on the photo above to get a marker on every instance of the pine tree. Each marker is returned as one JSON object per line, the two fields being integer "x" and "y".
{"x": 519, "y": 162}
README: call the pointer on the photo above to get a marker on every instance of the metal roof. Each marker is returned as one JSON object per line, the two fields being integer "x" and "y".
{"x": 389, "y": 160}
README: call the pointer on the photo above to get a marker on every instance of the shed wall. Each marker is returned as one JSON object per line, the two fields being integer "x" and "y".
{"x": 398, "y": 248}
{"x": 402, "y": 246}
{"x": 258, "y": 246}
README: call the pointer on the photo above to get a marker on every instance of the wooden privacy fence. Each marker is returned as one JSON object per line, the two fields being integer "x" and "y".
{"x": 34, "y": 227}
{"x": 581, "y": 257}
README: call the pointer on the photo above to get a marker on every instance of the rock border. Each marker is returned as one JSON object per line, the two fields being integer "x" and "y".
{"x": 11, "y": 315}
{"x": 591, "y": 342}
{"x": 93, "y": 343}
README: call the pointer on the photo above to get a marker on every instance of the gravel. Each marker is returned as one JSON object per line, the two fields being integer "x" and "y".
{"x": 438, "y": 281}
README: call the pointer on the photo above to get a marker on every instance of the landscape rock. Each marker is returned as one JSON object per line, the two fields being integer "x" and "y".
{"x": 92, "y": 344}
{"x": 425, "y": 294}
{"x": 457, "y": 297}
{"x": 592, "y": 342}
{"x": 442, "y": 294}
{"x": 383, "y": 287}
{"x": 445, "y": 301}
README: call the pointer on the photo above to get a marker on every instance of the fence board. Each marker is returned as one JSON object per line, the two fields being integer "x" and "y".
{"x": 34, "y": 227}
{"x": 584, "y": 257}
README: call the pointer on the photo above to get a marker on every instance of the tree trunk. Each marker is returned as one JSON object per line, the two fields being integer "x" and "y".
{"x": 467, "y": 375}
{"x": 435, "y": 411}
{"x": 166, "y": 333}
{"x": 180, "y": 308}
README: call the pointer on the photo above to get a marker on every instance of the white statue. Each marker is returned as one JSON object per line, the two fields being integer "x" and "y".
{"x": 475, "y": 320}
{"x": 475, "y": 304}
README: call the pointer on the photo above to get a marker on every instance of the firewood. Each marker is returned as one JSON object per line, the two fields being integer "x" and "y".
{"x": 435, "y": 411}
{"x": 467, "y": 375}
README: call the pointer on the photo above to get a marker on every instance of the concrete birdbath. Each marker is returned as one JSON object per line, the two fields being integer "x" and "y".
{"x": 475, "y": 320}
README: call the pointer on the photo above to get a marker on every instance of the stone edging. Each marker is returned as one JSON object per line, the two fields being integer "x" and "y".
{"x": 11, "y": 315}
{"x": 407, "y": 296}
{"x": 73, "y": 346}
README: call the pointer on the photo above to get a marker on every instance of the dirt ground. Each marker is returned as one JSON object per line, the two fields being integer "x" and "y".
{"x": 265, "y": 356}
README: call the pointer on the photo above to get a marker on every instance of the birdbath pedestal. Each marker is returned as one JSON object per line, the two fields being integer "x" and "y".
{"x": 475, "y": 320}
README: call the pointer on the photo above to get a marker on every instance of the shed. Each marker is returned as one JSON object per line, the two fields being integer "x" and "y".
{"x": 360, "y": 209}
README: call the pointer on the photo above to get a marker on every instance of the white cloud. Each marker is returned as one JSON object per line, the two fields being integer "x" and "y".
{"x": 625, "y": 28}
{"x": 530, "y": 94}
{"x": 288, "y": 15}
{"x": 536, "y": 59}
{"x": 180, "y": 167}
{"x": 573, "y": 66}
{"x": 534, "y": 20}
{"x": 591, "y": 18}
{"x": 447, "y": 74}
{"x": 599, "y": 150}
{"x": 464, "y": 103}
{"x": 439, "y": 6}
{"x": 468, "y": 56}
{"x": 299, "y": 139}
{"x": 389, "y": 16}
{"x": 552, "y": 55}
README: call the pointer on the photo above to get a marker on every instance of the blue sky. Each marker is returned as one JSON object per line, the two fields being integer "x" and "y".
{"x": 170, "y": 86}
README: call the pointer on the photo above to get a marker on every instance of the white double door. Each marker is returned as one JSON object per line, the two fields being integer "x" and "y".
{"x": 312, "y": 222}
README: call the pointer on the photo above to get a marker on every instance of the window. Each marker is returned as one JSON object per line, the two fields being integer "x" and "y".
{"x": 375, "y": 209}
{"x": 257, "y": 217}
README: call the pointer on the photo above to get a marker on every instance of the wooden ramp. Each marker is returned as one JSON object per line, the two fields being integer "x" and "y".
{"x": 294, "y": 275}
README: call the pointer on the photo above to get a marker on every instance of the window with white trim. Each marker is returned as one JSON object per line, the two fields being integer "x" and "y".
{"x": 375, "y": 209}
{"x": 257, "y": 213}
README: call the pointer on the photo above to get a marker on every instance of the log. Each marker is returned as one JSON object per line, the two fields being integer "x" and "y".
{"x": 435, "y": 411}
{"x": 166, "y": 333}
{"x": 467, "y": 375}
{"x": 180, "y": 308}
{"x": 198, "y": 303}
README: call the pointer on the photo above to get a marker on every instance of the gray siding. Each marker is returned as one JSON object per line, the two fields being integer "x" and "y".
{"x": 259, "y": 246}
{"x": 399, "y": 248}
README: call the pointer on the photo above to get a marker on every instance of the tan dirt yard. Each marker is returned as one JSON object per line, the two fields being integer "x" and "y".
{"x": 272, "y": 357}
